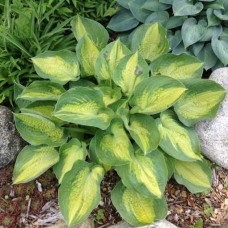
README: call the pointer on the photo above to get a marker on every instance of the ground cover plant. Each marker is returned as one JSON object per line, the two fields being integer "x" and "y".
{"x": 110, "y": 107}
{"x": 199, "y": 28}
{"x": 28, "y": 28}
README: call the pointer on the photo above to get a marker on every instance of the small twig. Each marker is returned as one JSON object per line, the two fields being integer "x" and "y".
{"x": 28, "y": 208}
{"x": 180, "y": 201}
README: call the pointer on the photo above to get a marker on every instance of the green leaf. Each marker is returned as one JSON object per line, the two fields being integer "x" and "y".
{"x": 113, "y": 147}
{"x": 201, "y": 101}
{"x": 160, "y": 17}
{"x": 138, "y": 11}
{"x": 85, "y": 106}
{"x": 150, "y": 40}
{"x": 42, "y": 91}
{"x": 130, "y": 71}
{"x": 144, "y": 131}
{"x": 177, "y": 66}
{"x": 221, "y": 14}
{"x": 123, "y": 3}
{"x": 175, "y": 22}
{"x": 69, "y": 153}
{"x": 175, "y": 39}
{"x": 196, "y": 176}
{"x": 87, "y": 53}
{"x": 210, "y": 32}
{"x": 177, "y": 140}
{"x": 135, "y": 208}
{"x": 109, "y": 58}
{"x": 37, "y": 130}
{"x": 220, "y": 47}
{"x": 170, "y": 162}
{"x": 186, "y": 7}
{"x": 109, "y": 95}
{"x": 156, "y": 94}
{"x": 79, "y": 192}
{"x": 207, "y": 56}
{"x": 86, "y": 27}
{"x": 192, "y": 31}
{"x": 155, "y": 5}
{"x": 147, "y": 175}
{"x": 58, "y": 66}
{"x": 33, "y": 161}
{"x": 122, "y": 21}
{"x": 211, "y": 18}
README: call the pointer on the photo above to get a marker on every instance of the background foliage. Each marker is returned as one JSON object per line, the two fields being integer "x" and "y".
{"x": 30, "y": 27}
{"x": 198, "y": 27}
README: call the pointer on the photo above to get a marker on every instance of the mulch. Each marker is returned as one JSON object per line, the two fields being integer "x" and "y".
{"x": 35, "y": 204}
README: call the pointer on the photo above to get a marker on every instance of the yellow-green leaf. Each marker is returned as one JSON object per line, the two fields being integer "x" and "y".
{"x": 201, "y": 101}
{"x": 33, "y": 161}
{"x": 156, "y": 94}
{"x": 42, "y": 90}
{"x": 109, "y": 58}
{"x": 85, "y": 106}
{"x": 144, "y": 131}
{"x": 196, "y": 176}
{"x": 131, "y": 70}
{"x": 147, "y": 175}
{"x": 84, "y": 26}
{"x": 150, "y": 40}
{"x": 113, "y": 147}
{"x": 137, "y": 209}
{"x": 87, "y": 53}
{"x": 79, "y": 192}
{"x": 177, "y": 140}
{"x": 37, "y": 130}
{"x": 181, "y": 66}
{"x": 58, "y": 66}
{"x": 70, "y": 152}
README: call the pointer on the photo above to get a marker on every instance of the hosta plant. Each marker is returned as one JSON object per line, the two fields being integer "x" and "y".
{"x": 198, "y": 27}
{"x": 109, "y": 107}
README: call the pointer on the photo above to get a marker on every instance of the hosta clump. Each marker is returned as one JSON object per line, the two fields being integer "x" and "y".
{"x": 199, "y": 27}
{"x": 109, "y": 107}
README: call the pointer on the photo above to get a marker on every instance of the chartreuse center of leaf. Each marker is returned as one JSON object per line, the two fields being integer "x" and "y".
{"x": 33, "y": 161}
{"x": 135, "y": 208}
{"x": 156, "y": 94}
{"x": 79, "y": 192}
{"x": 85, "y": 106}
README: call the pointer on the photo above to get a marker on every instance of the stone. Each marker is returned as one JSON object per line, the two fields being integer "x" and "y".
{"x": 160, "y": 224}
{"x": 213, "y": 134}
{"x": 10, "y": 140}
{"x": 88, "y": 223}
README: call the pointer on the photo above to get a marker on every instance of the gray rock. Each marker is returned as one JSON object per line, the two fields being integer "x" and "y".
{"x": 10, "y": 141}
{"x": 160, "y": 224}
{"x": 213, "y": 134}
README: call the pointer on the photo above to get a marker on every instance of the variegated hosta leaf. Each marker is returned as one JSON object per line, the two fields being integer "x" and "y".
{"x": 177, "y": 140}
{"x": 147, "y": 175}
{"x": 33, "y": 161}
{"x": 37, "y": 130}
{"x": 85, "y": 106}
{"x": 83, "y": 26}
{"x": 144, "y": 131}
{"x": 196, "y": 176}
{"x": 87, "y": 53}
{"x": 156, "y": 94}
{"x": 43, "y": 108}
{"x": 113, "y": 146}
{"x": 42, "y": 90}
{"x": 109, "y": 58}
{"x": 131, "y": 70}
{"x": 150, "y": 40}
{"x": 58, "y": 66}
{"x": 109, "y": 95}
{"x": 70, "y": 152}
{"x": 79, "y": 192}
{"x": 177, "y": 66}
{"x": 170, "y": 163}
{"x": 135, "y": 208}
{"x": 93, "y": 155}
{"x": 201, "y": 101}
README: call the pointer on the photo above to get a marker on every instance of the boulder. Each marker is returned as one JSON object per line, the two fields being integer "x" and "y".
{"x": 213, "y": 134}
{"x": 10, "y": 140}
